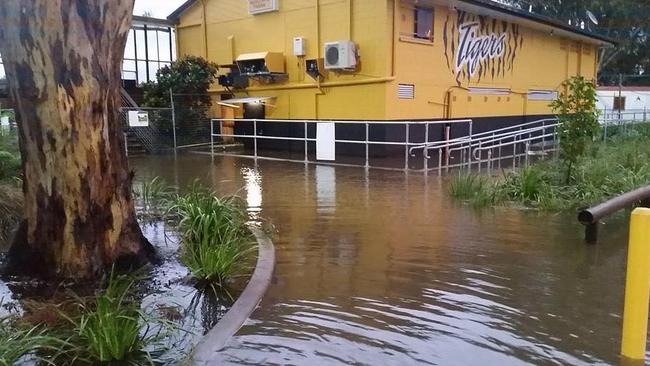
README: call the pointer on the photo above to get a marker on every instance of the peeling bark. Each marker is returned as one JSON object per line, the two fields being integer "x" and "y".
{"x": 63, "y": 61}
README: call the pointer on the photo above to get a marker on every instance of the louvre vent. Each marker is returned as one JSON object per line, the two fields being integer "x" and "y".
{"x": 406, "y": 91}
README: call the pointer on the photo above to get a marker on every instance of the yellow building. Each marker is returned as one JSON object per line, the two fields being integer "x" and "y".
{"x": 388, "y": 59}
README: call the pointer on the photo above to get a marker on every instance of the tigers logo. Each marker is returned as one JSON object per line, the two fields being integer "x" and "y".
{"x": 481, "y": 47}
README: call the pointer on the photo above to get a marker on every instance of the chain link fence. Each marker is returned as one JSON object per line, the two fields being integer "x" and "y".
{"x": 184, "y": 124}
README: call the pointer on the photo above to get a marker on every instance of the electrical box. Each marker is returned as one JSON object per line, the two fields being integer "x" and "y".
{"x": 299, "y": 46}
{"x": 316, "y": 68}
{"x": 261, "y": 63}
{"x": 341, "y": 55}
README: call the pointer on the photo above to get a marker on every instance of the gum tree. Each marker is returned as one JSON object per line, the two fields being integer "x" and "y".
{"x": 62, "y": 60}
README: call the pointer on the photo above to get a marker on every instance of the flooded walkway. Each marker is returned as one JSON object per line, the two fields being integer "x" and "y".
{"x": 381, "y": 268}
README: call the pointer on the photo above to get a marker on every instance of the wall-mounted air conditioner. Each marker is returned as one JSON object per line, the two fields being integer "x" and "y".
{"x": 340, "y": 55}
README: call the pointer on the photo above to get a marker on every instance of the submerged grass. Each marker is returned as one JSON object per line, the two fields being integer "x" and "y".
{"x": 19, "y": 342}
{"x": 215, "y": 240}
{"x": 112, "y": 329}
{"x": 608, "y": 168}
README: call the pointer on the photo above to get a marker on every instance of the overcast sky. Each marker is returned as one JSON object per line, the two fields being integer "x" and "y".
{"x": 158, "y": 8}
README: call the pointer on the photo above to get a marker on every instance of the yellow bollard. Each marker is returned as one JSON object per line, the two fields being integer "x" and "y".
{"x": 637, "y": 286}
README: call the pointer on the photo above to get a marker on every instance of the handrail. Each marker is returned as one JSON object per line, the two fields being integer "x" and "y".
{"x": 590, "y": 217}
{"x": 488, "y": 135}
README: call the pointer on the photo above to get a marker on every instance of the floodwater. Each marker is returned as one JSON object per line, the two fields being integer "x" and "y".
{"x": 381, "y": 268}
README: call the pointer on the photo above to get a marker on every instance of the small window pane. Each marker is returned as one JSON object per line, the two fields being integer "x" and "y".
{"x": 424, "y": 23}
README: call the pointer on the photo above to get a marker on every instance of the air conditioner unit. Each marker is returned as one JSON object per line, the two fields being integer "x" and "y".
{"x": 341, "y": 55}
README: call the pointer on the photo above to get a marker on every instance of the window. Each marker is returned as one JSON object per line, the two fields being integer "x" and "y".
{"x": 619, "y": 103}
{"x": 423, "y": 23}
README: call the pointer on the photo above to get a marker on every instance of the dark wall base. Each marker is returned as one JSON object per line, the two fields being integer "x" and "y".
{"x": 389, "y": 132}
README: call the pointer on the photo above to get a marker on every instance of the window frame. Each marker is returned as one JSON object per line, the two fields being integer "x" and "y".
{"x": 416, "y": 10}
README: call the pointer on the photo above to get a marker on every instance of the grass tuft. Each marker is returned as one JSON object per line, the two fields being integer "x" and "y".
{"x": 215, "y": 240}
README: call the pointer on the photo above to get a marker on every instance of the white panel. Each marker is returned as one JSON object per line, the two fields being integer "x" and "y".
{"x": 138, "y": 119}
{"x": 542, "y": 95}
{"x": 325, "y": 145}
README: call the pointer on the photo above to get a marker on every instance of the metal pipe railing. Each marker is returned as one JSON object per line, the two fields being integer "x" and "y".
{"x": 591, "y": 217}
{"x": 367, "y": 142}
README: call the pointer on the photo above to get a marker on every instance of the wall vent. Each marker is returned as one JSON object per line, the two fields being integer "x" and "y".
{"x": 406, "y": 91}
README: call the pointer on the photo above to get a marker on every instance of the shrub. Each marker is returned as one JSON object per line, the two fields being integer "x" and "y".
{"x": 11, "y": 210}
{"x": 10, "y": 165}
{"x": 578, "y": 117}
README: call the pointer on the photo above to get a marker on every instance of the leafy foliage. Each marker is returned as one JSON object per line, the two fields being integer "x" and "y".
{"x": 11, "y": 209}
{"x": 622, "y": 20}
{"x": 189, "y": 78}
{"x": 578, "y": 117}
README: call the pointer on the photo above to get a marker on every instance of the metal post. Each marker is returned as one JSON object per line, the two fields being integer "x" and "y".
{"x": 126, "y": 144}
{"x": 439, "y": 161}
{"x": 367, "y": 146}
{"x": 146, "y": 50}
{"x": 255, "y": 138}
{"x": 620, "y": 94}
{"x": 171, "y": 100}
{"x": 469, "y": 148}
{"x": 527, "y": 148}
{"x": 425, "y": 152}
{"x": 480, "y": 155}
{"x": 637, "y": 287}
{"x": 305, "y": 134}
{"x": 645, "y": 113}
{"x": 212, "y": 137}
{"x": 406, "y": 148}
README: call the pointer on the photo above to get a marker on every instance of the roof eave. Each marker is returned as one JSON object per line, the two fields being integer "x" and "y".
{"x": 176, "y": 14}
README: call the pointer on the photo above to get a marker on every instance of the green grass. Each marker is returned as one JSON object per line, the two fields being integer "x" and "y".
{"x": 215, "y": 240}
{"x": 11, "y": 209}
{"x": 111, "y": 329}
{"x": 153, "y": 197}
{"x": 20, "y": 342}
{"x": 608, "y": 168}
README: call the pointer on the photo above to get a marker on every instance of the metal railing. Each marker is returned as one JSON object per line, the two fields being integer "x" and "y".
{"x": 367, "y": 142}
{"x": 639, "y": 114}
{"x": 517, "y": 140}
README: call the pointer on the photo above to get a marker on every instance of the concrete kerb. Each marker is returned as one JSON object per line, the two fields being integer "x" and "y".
{"x": 217, "y": 337}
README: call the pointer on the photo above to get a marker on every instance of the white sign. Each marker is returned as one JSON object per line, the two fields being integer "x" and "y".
{"x": 262, "y": 6}
{"x": 138, "y": 119}
{"x": 325, "y": 145}
{"x": 4, "y": 121}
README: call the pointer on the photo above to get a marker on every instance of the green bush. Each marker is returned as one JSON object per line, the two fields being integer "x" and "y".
{"x": 11, "y": 210}
{"x": 578, "y": 117}
{"x": 10, "y": 165}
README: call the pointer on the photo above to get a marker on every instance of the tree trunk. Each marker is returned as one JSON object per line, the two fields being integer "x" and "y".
{"x": 63, "y": 63}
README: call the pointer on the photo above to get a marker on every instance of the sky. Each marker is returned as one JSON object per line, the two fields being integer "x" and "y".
{"x": 158, "y": 8}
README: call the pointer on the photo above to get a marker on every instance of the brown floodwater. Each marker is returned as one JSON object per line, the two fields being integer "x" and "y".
{"x": 382, "y": 268}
